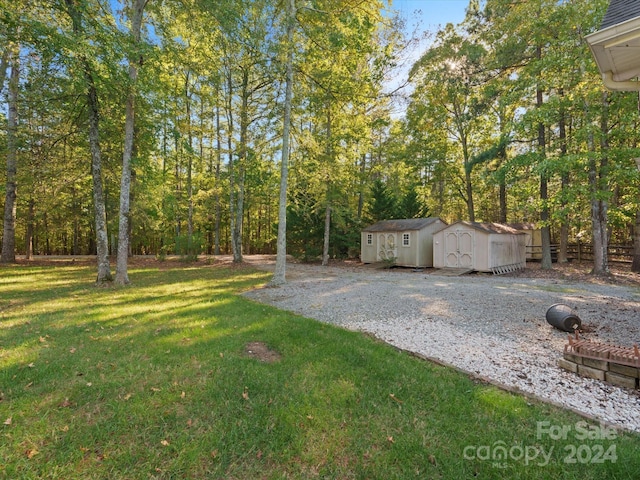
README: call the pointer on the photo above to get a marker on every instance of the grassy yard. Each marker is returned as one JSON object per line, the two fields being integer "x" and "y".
{"x": 161, "y": 380}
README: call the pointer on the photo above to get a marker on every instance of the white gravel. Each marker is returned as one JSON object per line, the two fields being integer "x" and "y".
{"x": 492, "y": 327}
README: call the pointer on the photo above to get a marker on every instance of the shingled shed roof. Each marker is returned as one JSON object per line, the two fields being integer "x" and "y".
{"x": 620, "y": 11}
{"x": 523, "y": 226}
{"x": 489, "y": 227}
{"x": 401, "y": 225}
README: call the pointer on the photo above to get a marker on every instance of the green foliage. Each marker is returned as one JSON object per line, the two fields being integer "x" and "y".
{"x": 410, "y": 205}
{"x": 208, "y": 122}
{"x": 305, "y": 229}
{"x": 189, "y": 247}
{"x": 383, "y": 204}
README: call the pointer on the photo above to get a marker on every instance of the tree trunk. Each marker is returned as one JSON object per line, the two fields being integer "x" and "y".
{"x": 503, "y": 201}
{"x": 218, "y": 208}
{"x": 327, "y": 232}
{"x": 546, "y": 262}
{"x": 240, "y": 170}
{"x": 467, "y": 177}
{"x": 327, "y": 212}
{"x": 178, "y": 189}
{"x": 635, "y": 265}
{"x": 122, "y": 275}
{"x": 4, "y": 65}
{"x": 599, "y": 205}
{"x": 188, "y": 95}
{"x": 102, "y": 238}
{"x": 564, "y": 227}
{"x": 363, "y": 166}
{"x": 30, "y": 228}
{"x": 279, "y": 275}
{"x": 237, "y": 256}
{"x": 469, "y": 194}
{"x": 9, "y": 233}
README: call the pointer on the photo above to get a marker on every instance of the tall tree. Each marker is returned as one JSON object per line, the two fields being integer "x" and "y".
{"x": 279, "y": 275}
{"x": 9, "y": 230}
{"x": 447, "y": 83}
{"x": 80, "y": 36}
{"x": 136, "y": 11}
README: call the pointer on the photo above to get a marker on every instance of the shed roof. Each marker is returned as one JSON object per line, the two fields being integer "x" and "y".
{"x": 522, "y": 226}
{"x": 620, "y": 11}
{"x": 489, "y": 227}
{"x": 401, "y": 224}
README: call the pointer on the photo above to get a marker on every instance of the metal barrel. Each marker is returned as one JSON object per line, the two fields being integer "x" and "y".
{"x": 563, "y": 318}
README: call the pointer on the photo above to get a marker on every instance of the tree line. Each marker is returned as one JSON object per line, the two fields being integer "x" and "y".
{"x": 190, "y": 126}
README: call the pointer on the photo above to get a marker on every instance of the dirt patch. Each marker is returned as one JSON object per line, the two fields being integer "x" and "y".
{"x": 619, "y": 273}
{"x": 260, "y": 351}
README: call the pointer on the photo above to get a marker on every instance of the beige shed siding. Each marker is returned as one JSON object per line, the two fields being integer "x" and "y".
{"x": 506, "y": 249}
{"x": 478, "y": 246}
{"x": 533, "y": 239}
{"x": 368, "y": 251}
{"x": 419, "y": 252}
{"x": 407, "y": 255}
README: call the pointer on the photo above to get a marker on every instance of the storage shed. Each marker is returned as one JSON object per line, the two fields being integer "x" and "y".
{"x": 484, "y": 247}
{"x": 409, "y": 242}
{"x": 534, "y": 239}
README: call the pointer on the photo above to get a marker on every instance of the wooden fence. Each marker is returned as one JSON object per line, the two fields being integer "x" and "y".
{"x": 584, "y": 252}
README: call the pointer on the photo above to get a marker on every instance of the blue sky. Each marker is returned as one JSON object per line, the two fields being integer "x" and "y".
{"x": 432, "y": 13}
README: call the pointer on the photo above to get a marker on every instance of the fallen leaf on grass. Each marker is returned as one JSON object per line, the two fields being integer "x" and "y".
{"x": 65, "y": 403}
{"x": 390, "y": 440}
{"x": 245, "y": 394}
{"x": 72, "y": 350}
{"x": 165, "y": 443}
{"x": 31, "y": 452}
{"x": 31, "y": 365}
{"x": 154, "y": 389}
{"x": 393, "y": 397}
{"x": 432, "y": 459}
{"x": 182, "y": 395}
{"x": 8, "y": 421}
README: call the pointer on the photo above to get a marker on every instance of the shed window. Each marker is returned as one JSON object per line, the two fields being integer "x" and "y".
{"x": 369, "y": 239}
{"x": 406, "y": 239}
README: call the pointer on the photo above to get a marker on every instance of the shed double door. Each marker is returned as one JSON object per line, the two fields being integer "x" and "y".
{"x": 387, "y": 246}
{"x": 458, "y": 249}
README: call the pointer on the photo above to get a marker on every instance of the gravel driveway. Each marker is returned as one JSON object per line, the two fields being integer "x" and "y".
{"x": 493, "y": 327}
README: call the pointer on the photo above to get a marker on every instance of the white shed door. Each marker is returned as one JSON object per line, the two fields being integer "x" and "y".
{"x": 387, "y": 246}
{"x": 458, "y": 249}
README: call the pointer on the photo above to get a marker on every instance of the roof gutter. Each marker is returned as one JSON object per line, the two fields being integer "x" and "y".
{"x": 603, "y": 42}
{"x": 626, "y": 86}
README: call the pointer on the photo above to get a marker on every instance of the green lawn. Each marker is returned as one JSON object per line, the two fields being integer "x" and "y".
{"x": 154, "y": 381}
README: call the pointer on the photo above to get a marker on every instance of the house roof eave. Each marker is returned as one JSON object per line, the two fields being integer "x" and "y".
{"x": 610, "y": 48}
